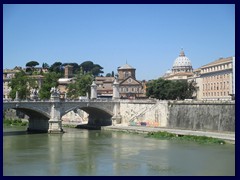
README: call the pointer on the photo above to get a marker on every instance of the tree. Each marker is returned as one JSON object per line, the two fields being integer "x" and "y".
{"x": 45, "y": 65}
{"x": 32, "y": 64}
{"x": 49, "y": 81}
{"x": 97, "y": 70}
{"x": 108, "y": 75}
{"x": 170, "y": 90}
{"x": 57, "y": 68}
{"x": 81, "y": 86}
{"x": 22, "y": 84}
{"x": 75, "y": 66}
{"x": 89, "y": 66}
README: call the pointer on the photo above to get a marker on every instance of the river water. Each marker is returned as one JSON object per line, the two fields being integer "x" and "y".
{"x": 81, "y": 152}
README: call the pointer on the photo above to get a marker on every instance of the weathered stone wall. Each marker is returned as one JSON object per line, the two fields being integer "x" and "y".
{"x": 77, "y": 116}
{"x": 212, "y": 116}
{"x": 148, "y": 113}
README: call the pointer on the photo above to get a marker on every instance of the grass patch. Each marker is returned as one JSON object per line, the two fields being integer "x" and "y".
{"x": 69, "y": 125}
{"x": 14, "y": 122}
{"x": 198, "y": 139}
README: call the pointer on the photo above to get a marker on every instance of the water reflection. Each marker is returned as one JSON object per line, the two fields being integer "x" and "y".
{"x": 82, "y": 152}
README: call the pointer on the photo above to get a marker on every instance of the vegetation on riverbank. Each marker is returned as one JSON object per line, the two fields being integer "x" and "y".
{"x": 69, "y": 125}
{"x": 198, "y": 139}
{"x": 14, "y": 122}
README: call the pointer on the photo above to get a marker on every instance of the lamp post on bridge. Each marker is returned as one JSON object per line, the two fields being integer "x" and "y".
{"x": 16, "y": 97}
{"x": 93, "y": 90}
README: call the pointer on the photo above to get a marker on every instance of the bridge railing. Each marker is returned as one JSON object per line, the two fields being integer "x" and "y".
{"x": 88, "y": 100}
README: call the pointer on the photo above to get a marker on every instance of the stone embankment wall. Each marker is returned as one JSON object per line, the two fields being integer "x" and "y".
{"x": 148, "y": 113}
{"x": 212, "y": 116}
{"x": 193, "y": 115}
{"x": 77, "y": 116}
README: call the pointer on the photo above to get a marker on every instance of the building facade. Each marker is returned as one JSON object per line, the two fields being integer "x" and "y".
{"x": 218, "y": 79}
{"x": 8, "y": 74}
{"x": 129, "y": 87}
{"x": 104, "y": 86}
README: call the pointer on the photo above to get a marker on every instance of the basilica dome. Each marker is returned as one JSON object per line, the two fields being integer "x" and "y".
{"x": 182, "y": 63}
{"x": 182, "y": 60}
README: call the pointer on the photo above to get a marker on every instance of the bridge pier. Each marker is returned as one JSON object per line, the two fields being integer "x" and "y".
{"x": 55, "y": 126}
{"x": 37, "y": 124}
{"x": 55, "y": 122}
{"x": 117, "y": 118}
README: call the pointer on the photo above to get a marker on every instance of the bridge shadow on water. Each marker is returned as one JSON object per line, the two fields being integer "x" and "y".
{"x": 88, "y": 126}
{"x": 14, "y": 133}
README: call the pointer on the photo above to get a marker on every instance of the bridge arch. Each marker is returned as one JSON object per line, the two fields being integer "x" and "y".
{"x": 38, "y": 119}
{"x": 97, "y": 116}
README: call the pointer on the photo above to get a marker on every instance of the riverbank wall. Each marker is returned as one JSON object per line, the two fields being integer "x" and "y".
{"x": 217, "y": 116}
{"x": 208, "y": 116}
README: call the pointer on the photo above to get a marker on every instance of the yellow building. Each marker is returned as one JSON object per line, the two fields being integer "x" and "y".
{"x": 217, "y": 79}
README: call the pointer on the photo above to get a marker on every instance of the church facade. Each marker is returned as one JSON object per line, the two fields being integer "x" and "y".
{"x": 129, "y": 86}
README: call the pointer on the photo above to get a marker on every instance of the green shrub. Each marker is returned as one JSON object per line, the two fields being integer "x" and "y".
{"x": 198, "y": 139}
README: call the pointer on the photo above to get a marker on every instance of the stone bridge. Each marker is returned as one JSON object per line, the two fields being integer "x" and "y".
{"x": 46, "y": 115}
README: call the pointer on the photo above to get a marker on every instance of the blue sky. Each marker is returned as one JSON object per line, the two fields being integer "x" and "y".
{"x": 148, "y": 37}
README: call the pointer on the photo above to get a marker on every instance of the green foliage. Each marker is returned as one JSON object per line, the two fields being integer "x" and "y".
{"x": 57, "y": 68}
{"x": 75, "y": 66}
{"x": 49, "y": 81}
{"x": 197, "y": 139}
{"x": 90, "y": 67}
{"x": 14, "y": 122}
{"x": 81, "y": 86}
{"x": 108, "y": 75}
{"x": 32, "y": 63}
{"x": 45, "y": 65}
{"x": 170, "y": 90}
{"x": 21, "y": 83}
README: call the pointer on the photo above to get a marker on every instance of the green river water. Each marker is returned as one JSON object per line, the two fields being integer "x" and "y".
{"x": 81, "y": 152}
